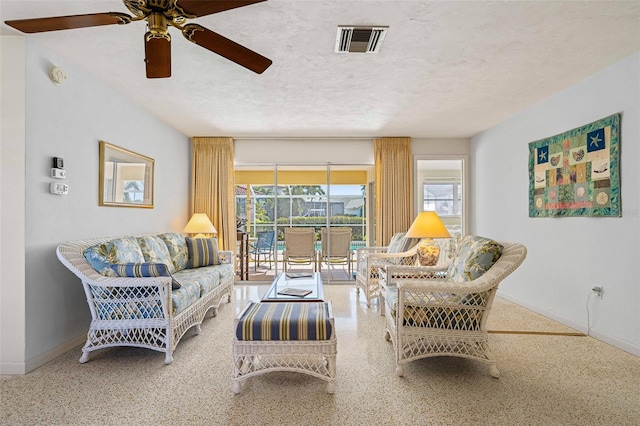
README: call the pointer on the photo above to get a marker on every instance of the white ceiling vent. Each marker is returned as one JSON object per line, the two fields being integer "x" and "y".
{"x": 359, "y": 39}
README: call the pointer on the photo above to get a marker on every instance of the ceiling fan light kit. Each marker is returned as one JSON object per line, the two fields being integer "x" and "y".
{"x": 160, "y": 15}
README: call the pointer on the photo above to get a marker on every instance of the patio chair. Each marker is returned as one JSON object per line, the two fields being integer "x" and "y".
{"x": 263, "y": 247}
{"x": 299, "y": 247}
{"x": 446, "y": 314}
{"x": 336, "y": 248}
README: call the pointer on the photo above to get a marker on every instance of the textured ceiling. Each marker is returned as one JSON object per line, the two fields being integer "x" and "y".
{"x": 445, "y": 69}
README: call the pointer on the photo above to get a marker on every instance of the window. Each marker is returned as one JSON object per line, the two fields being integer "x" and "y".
{"x": 445, "y": 198}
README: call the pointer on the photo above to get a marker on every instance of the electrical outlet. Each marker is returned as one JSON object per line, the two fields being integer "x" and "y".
{"x": 598, "y": 290}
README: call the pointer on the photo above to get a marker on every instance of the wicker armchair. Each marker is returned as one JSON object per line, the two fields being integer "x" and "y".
{"x": 400, "y": 251}
{"x": 429, "y": 314}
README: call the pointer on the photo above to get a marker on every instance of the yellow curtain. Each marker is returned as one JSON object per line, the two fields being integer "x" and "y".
{"x": 212, "y": 186}
{"x": 394, "y": 194}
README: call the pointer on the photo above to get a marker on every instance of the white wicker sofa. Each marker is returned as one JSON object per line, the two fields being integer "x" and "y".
{"x": 148, "y": 290}
{"x": 445, "y": 314}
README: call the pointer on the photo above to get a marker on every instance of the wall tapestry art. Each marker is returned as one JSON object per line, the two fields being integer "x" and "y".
{"x": 577, "y": 173}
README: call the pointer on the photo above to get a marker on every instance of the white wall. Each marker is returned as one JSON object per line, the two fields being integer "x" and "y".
{"x": 12, "y": 204}
{"x": 568, "y": 256}
{"x": 303, "y": 151}
{"x": 69, "y": 121}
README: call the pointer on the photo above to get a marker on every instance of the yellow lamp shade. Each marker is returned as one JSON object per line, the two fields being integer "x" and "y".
{"x": 428, "y": 225}
{"x": 200, "y": 225}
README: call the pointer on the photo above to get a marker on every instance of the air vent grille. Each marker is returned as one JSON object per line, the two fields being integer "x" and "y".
{"x": 360, "y": 39}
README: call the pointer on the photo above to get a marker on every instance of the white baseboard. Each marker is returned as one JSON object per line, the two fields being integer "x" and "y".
{"x": 603, "y": 337}
{"x": 15, "y": 368}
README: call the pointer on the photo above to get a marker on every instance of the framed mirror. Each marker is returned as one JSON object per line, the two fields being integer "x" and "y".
{"x": 126, "y": 177}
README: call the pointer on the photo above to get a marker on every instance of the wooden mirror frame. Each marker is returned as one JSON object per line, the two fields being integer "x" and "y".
{"x": 115, "y": 161}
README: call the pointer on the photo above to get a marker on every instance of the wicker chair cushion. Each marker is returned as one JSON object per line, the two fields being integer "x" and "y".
{"x": 474, "y": 257}
{"x": 177, "y": 246}
{"x": 155, "y": 250}
{"x": 202, "y": 252}
{"x": 146, "y": 269}
{"x": 121, "y": 250}
{"x": 395, "y": 243}
{"x": 285, "y": 321}
{"x": 400, "y": 244}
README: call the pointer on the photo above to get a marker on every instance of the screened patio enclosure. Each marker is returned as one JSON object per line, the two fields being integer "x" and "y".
{"x": 271, "y": 198}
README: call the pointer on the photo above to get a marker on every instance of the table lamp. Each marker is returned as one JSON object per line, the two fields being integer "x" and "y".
{"x": 200, "y": 225}
{"x": 427, "y": 226}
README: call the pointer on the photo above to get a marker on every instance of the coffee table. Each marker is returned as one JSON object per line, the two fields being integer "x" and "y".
{"x": 312, "y": 282}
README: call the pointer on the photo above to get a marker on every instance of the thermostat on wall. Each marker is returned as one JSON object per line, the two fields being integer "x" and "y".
{"x": 59, "y": 188}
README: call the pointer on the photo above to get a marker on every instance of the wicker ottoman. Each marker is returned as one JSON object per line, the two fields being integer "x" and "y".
{"x": 293, "y": 336}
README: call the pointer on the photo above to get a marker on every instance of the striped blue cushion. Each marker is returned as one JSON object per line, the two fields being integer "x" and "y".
{"x": 147, "y": 269}
{"x": 285, "y": 321}
{"x": 202, "y": 252}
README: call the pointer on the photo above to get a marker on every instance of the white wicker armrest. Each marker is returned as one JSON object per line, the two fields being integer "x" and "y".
{"x": 385, "y": 259}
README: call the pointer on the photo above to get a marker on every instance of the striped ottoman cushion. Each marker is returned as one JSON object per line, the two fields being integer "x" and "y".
{"x": 285, "y": 321}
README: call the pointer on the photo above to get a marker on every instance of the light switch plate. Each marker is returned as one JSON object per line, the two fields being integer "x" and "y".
{"x": 58, "y": 173}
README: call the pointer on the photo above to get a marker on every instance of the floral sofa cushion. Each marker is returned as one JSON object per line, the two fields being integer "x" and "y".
{"x": 120, "y": 250}
{"x": 206, "y": 278}
{"x": 177, "y": 246}
{"x": 155, "y": 250}
{"x": 475, "y": 255}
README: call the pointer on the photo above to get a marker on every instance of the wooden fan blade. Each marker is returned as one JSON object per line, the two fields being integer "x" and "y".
{"x": 39, "y": 25}
{"x": 204, "y": 7}
{"x": 157, "y": 57}
{"x": 227, "y": 48}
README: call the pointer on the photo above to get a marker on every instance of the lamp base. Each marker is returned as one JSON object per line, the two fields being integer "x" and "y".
{"x": 428, "y": 252}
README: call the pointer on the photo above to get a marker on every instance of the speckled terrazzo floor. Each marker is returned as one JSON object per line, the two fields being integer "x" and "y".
{"x": 545, "y": 380}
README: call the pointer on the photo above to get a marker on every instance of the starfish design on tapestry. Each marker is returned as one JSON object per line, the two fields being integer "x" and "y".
{"x": 595, "y": 140}
{"x": 542, "y": 156}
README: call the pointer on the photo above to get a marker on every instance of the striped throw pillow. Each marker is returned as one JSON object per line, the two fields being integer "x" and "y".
{"x": 142, "y": 270}
{"x": 202, "y": 252}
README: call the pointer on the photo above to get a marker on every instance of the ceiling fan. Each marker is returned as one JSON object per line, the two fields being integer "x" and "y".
{"x": 160, "y": 14}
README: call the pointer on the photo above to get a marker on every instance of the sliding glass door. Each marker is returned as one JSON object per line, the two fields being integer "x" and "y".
{"x": 274, "y": 199}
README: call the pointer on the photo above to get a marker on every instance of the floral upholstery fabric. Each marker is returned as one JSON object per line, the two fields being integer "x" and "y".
{"x": 177, "y": 246}
{"x": 475, "y": 255}
{"x": 185, "y": 296}
{"x": 101, "y": 259}
{"x": 155, "y": 250}
{"x": 225, "y": 270}
{"x": 206, "y": 278}
{"x": 120, "y": 250}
